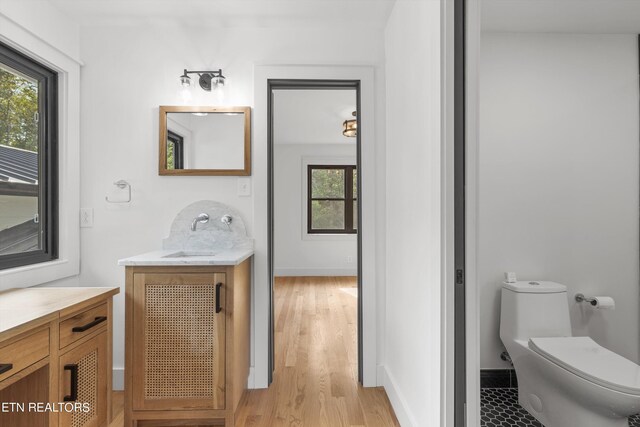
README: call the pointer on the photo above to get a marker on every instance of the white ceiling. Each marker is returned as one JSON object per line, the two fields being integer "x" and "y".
{"x": 230, "y": 13}
{"x": 312, "y": 116}
{"x": 561, "y": 16}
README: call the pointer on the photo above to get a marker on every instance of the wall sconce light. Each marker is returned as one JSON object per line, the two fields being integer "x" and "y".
{"x": 208, "y": 79}
{"x": 350, "y": 127}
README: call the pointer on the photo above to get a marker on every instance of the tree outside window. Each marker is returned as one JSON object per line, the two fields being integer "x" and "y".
{"x": 332, "y": 199}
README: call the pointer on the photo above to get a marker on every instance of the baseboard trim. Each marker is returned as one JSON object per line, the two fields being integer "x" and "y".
{"x": 288, "y": 272}
{"x": 251, "y": 381}
{"x": 498, "y": 378}
{"x": 117, "y": 379}
{"x": 380, "y": 376}
{"x": 398, "y": 402}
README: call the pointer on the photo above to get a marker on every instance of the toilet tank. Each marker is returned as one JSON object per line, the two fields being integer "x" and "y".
{"x": 534, "y": 309}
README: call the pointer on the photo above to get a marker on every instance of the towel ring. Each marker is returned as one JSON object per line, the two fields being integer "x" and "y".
{"x": 121, "y": 184}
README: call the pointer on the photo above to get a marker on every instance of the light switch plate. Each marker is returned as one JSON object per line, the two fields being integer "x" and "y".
{"x": 86, "y": 217}
{"x": 244, "y": 187}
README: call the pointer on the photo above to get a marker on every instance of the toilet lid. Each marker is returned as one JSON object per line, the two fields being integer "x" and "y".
{"x": 585, "y": 358}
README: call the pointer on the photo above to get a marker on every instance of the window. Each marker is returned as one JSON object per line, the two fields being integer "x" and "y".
{"x": 332, "y": 199}
{"x": 175, "y": 150}
{"x": 28, "y": 161}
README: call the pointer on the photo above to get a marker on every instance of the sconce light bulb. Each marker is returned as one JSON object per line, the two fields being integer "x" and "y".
{"x": 185, "y": 81}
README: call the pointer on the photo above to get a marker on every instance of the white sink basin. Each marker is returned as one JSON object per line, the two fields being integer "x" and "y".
{"x": 186, "y": 254}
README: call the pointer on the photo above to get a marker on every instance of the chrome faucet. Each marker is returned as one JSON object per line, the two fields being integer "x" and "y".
{"x": 203, "y": 218}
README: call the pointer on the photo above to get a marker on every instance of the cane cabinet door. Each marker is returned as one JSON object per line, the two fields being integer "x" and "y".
{"x": 83, "y": 383}
{"x": 178, "y": 341}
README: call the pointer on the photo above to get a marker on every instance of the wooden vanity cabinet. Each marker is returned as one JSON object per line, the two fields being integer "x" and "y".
{"x": 55, "y": 348}
{"x": 187, "y": 343}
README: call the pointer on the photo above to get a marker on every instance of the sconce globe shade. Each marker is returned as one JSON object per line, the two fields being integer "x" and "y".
{"x": 219, "y": 80}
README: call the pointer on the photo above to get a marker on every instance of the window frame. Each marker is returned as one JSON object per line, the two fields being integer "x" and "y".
{"x": 47, "y": 159}
{"x": 348, "y": 195}
{"x": 178, "y": 149}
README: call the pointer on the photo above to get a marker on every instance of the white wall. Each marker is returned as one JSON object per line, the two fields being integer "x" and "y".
{"x": 296, "y": 252}
{"x": 218, "y": 141}
{"x": 559, "y": 177}
{"x": 311, "y": 116}
{"x": 413, "y": 199}
{"x": 125, "y": 144}
{"x": 45, "y": 22}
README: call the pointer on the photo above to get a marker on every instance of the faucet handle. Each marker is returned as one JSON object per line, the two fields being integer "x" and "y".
{"x": 227, "y": 219}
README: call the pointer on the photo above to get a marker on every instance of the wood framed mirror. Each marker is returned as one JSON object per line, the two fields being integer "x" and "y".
{"x": 205, "y": 141}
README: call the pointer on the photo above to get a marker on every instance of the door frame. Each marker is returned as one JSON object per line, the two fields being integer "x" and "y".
{"x": 460, "y": 281}
{"x": 372, "y": 250}
{"x": 471, "y": 54}
{"x": 306, "y": 84}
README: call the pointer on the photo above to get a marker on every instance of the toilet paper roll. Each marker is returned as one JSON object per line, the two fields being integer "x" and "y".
{"x": 604, "y": 303}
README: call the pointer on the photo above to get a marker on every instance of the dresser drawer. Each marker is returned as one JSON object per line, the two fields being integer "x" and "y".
{"x": 83, "y": 324}
{"x": 23, "y": 353}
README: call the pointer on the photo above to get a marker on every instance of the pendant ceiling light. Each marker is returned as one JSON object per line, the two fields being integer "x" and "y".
{"x": 350, "y": 127}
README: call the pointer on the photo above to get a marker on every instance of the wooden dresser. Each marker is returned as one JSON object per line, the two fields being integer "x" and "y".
{"x": 55, "y": 357}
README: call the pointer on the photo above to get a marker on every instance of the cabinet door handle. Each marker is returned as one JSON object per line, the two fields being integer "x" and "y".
{"x": 74, "y": 382}
{"x": 5, "y": 367}
{"x": 90, "y": 325}
{"x": 218, "y": 306}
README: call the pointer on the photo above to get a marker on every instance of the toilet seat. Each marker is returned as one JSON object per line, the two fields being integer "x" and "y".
{"x": 585, "y": 358}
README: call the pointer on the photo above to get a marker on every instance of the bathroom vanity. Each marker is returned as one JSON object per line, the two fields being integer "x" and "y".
{"x": 55, "y": 354}
{"x": 187, "y": 323}
{"x": 187, "y": 339}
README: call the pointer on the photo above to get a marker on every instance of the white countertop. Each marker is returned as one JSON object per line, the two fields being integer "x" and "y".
{"x": 179, "y": 257}
{"x": 21, "y": 306}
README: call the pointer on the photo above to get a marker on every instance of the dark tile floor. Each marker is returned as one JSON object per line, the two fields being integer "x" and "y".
{"x": 499, "y": 408}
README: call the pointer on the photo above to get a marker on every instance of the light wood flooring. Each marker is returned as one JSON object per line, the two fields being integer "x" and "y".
{"x": 315, "y": 380}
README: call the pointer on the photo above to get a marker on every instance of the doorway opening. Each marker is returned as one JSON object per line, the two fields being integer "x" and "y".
{"x": 593, "y": 189}
{"x": 314, "y": 245}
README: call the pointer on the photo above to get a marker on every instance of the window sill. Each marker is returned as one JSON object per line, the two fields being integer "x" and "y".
{"x": 351, "y": 237}
{"x": 37, "y": 274}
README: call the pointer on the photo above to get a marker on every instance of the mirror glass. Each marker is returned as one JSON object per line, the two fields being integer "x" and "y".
{"x": 204, "y": 141}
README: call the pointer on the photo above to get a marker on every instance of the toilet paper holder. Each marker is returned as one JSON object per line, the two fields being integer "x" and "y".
{"x": 582, "y": 298}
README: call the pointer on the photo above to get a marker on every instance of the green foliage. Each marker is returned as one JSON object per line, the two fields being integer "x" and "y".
{"x": 355, "y": 183}
{"x": 327, "y": 215}
{"x": 18, "y": 105}
{"x": 171, "y": 164}
{"x": 327, "y": 183}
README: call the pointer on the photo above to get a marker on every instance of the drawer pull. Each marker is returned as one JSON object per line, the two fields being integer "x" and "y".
{"x": 5, "y": 367}
{"x": 218, "y": 306}
{"x": 74, "y": 383}
{"x": 89, "y": 325}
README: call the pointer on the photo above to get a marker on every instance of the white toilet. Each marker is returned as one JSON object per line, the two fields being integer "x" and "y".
{"x": 563, "y": 381}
